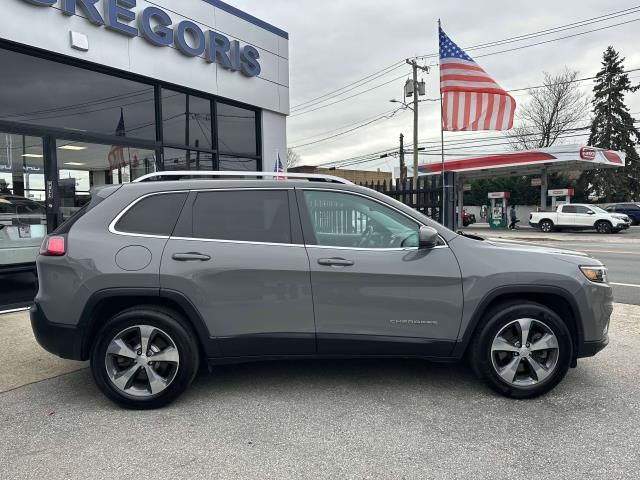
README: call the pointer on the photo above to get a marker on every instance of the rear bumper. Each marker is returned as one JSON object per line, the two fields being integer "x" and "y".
{"x": 62, "y": 340}
{"x": 589, "y": 349}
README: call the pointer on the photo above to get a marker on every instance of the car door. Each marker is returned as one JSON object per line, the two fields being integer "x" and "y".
{"x": 374, "y": 291}
{"x": 236, "y": 255}
{"x": 585, "y": 217}
{"x": 567, "y": 216}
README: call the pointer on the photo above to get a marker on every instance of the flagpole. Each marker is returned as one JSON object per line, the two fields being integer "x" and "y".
{"x": 444, "y": 188}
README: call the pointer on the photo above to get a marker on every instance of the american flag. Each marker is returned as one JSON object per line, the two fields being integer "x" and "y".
{"x": 279, "y": 168}
{"x": 471, "y": 99}
{"x": 116, "y": 154}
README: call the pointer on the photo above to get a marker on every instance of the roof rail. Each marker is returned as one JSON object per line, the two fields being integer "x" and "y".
{"x": 191, "y": 174}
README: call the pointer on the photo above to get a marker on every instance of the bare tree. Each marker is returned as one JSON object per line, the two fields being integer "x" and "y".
{"x": 555, "y": 108}
{"x": 293, "y": 158}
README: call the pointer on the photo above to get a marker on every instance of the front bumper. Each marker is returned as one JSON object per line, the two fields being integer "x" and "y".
{"x": 65, "y": 341}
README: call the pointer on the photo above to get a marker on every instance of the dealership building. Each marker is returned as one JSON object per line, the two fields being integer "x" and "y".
{"x": 96, "y": 92}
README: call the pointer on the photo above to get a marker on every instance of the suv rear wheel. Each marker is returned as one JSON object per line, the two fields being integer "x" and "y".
{"x": 144, "y": 357}
{"x": 524, "y": 349}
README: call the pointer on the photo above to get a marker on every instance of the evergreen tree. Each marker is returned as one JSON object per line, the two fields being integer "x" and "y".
{"x": 613, "y": 128}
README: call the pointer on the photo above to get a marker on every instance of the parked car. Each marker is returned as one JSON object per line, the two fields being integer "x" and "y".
{"x": 631, "y": 210}
{"x": 153, "y": 278}
{"x": 577, "y": 216}
{"x": 23, "y": 225}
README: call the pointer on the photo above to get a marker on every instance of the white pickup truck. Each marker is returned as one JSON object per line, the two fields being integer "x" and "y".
{"x": 579, "y": 216}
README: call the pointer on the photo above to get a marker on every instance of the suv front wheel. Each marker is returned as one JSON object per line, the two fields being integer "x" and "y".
{"x": 144, "y": 357}
{"x": 524, "y": 349}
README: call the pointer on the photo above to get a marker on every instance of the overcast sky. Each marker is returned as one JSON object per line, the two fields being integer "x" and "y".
{"x": 338, "y": 42}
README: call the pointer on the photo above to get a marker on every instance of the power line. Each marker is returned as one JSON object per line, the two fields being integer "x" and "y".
{"x": 358, "y": 83}
{"x": 385, "y": 117}
{"x": 496, "y": 43}
{"x": 349, "y": 97}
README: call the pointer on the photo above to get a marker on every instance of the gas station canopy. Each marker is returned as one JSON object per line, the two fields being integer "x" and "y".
{"x": 532, "y": 162}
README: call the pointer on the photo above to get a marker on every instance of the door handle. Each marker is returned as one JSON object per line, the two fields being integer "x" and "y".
{"x": 191, "y": 256}
{"x": 336, "y": 262}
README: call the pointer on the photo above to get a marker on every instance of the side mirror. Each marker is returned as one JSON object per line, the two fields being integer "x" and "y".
{"x": 427, "y": 237}
{"x": 591, "y": 212}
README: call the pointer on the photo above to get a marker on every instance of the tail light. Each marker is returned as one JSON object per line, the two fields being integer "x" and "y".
{"x": 55, "y": 246}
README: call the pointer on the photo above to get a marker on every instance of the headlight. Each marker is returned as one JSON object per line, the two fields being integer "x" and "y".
{"x": 595, "y": 274}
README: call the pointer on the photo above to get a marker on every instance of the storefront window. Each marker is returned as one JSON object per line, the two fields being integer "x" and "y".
{"x": 35, "y": 91}
{"x": 186, "y": 120}
{"x": 177, "y": 159}
{"x": 229, "y": 163}
{"x": 85, "y": 165}
{"x": 236, "y": 130}
{"x": 23, "y": 221}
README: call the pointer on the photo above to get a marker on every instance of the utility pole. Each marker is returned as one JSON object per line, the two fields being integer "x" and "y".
{"x": 403, "y": 167}
{"x": 416, "y": 94}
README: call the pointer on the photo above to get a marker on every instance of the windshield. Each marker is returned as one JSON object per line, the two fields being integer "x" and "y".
{"x": 597, "y": 209}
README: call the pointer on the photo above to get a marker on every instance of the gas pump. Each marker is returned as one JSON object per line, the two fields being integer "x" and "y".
{"x": 560, "y": 197}
{"x": 497, "y": 218}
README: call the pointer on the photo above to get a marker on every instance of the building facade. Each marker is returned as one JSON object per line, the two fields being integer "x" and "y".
{"x": 96, "y": 92}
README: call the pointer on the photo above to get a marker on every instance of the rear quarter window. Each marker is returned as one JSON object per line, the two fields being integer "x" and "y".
{"x": 153, "y": 215}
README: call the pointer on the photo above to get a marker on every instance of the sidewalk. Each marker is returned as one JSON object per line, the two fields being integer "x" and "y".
{"x": 22, "y": 360}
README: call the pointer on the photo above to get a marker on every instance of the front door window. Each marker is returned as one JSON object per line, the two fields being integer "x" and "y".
{"x": 345, "y": 220}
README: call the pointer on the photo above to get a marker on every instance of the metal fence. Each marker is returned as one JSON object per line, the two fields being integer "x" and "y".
{"x": 427, "y": 198}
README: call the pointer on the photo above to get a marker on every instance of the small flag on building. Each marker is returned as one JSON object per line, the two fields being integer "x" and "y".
{"x": 471, "y": 99}
{"x": 116, "y": 154}
{"x": 279, "y": 168}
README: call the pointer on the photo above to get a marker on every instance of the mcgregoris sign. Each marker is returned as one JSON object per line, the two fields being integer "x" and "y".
{"x": 157, "y": 27}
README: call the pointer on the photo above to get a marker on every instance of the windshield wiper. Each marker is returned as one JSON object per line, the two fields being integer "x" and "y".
{"x": 471, "y": 236}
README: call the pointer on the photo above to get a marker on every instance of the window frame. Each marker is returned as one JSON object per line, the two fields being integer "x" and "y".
{"x": 309, "y": 231}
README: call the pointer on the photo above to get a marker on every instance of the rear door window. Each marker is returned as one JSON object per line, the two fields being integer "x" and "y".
{"x": 568, "y": 209}
{"x": 155, "y": 215}
{"x": 582, "y": 210}
{"x": 242, "y": 215}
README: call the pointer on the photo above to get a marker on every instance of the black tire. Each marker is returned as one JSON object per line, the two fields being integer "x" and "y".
{"x": 546, "y": 226}
{"x": 481, "y": 356}
{"x": 167, "y": 321}
{"x": 603, "y": 227}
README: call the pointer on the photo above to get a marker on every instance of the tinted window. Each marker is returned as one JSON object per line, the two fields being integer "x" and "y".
{"x": 581, "y": 209}
{"x": 344, "y": 220}
{"x": 43, "y": 92}
{"x": 630, "y": 207}
{"x": 250, "y": 216}
{"x": 236, "y": 130}
{"x": 568, "y": 209}
{"x": 154, "y": 215}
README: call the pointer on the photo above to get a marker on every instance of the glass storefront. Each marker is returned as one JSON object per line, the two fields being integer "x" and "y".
{"x": 82, "y": 166}
{"x": 65, "y": 128}
{"x": 23, "y": 220}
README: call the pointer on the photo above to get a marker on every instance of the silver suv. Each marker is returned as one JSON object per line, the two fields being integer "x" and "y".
{"x": 152, "y": 279}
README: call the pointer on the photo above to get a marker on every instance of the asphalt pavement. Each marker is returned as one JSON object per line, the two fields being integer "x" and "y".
{"x": 379, "y": 419}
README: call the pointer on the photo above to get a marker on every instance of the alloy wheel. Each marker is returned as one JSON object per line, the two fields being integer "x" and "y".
{"x": 525, "y": 352}
{"x": 142, "y": 361}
